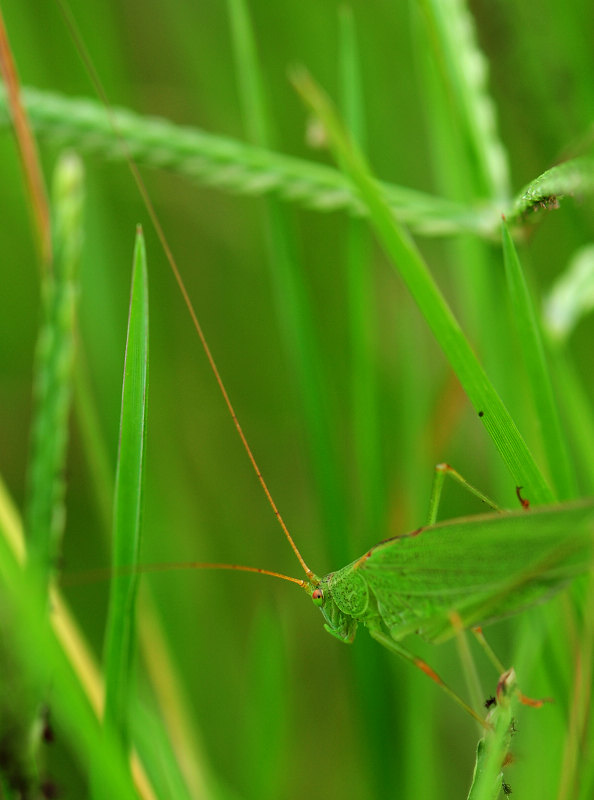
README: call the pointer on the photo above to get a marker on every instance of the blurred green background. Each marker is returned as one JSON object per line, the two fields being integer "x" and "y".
{"x": 280, "y": 708}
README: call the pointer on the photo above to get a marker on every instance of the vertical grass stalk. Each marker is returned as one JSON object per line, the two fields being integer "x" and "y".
{"x": 53, "y": 374}
{"x": 120, "y": 633}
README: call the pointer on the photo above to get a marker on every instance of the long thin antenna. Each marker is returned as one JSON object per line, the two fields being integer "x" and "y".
{"x": 91, "y": 575}
{"x": 96, "y": 81}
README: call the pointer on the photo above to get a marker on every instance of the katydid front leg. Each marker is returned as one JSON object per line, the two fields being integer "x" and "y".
{"x": 441, "y": 470}
{"x": 383, "y": 638}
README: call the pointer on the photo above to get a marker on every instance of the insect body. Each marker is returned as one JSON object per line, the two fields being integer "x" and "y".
{"x": 442, "y": 578}
{"x": 446, "y": 577}
{"x": 484, "y": 568}
{"x": 479, "y": 569}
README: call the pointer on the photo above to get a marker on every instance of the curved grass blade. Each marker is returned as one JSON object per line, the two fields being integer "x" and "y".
{"x": 464, "y": 70}
{"x": 536, "y": 366}
{"x": 571, "y": 297}
{"x": 231, "y": 165}
{"x": 577, "y": 408}
{"x": 575, "y": 177}
{"x": 475, "y": 279}
{"x": 45, "y": 512}
{"x": 119, "y": 638}
{"x": 407, "y": 259}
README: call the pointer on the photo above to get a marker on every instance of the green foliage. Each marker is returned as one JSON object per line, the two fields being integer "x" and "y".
{"x": 573, "y": 178}
{"x": 228, "y": 164}
{"x": 488, "y": 780}
{"x": 335, "y": 375}
{"x": 120, "y": 633}
{"x": 53, "y": 376}
{"x": 535, "y": 362}
{"x": 407, "y": 259}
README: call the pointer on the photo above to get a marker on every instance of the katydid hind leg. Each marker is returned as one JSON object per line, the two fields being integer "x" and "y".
{"x": 490, "y": 653}
{"x": 468, "y": 665}
{"x": 441, "y": 471}
{"x": 389, "y": 643}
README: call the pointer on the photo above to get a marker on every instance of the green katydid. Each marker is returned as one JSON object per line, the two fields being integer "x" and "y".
{"x": 480, "y": 568}
{"x": 443, "y": 577}
{"x": 476, "y": 570}
{"x": 438, "y": 579}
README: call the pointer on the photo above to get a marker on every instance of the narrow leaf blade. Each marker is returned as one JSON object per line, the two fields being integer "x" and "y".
{"x": 407, "y": 259}
{"x": 535, "y": 362}
{"x": 119, "y": 641}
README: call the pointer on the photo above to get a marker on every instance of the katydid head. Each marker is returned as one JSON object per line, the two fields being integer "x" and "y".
{"x": 342, "y": 626}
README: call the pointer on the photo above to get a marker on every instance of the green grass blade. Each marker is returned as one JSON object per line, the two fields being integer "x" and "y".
{"x": 458, "y": 176}
{"x": 45, "y": 513}
{"x": 291, "y": 296}
{"x": 472, "y": 265}
{"x": 578, "y": 414}
{"x": 488, "y": 778}
{"x": 231, "y": 165}
{"x": 119, "y": 637}
{"x": 367, "y": 510}
{"x": 575, "y": 177}
{"x": 371, "y": 494}
{"x": 43, "y": 663}
{"x": 175, "y": 710}
{"x": 571, "y": 297}
{"x": 266, "y": 659}
{"x": 165, "y": 680}
{"x": 537, "y": 370}
{"x": 409, "y": 263}
{"x": 159, "y": 764}
{"x": 464, "y": 70}
{"x": 255, "y": 115}
{"x": 577, "y": 770}
{"x": 93, "y": 442}
{"x": 156, "y": 751}
{"x": 270, "y": 702}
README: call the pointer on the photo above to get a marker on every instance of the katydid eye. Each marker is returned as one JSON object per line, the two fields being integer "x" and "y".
{"x": 318, "y": 597}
